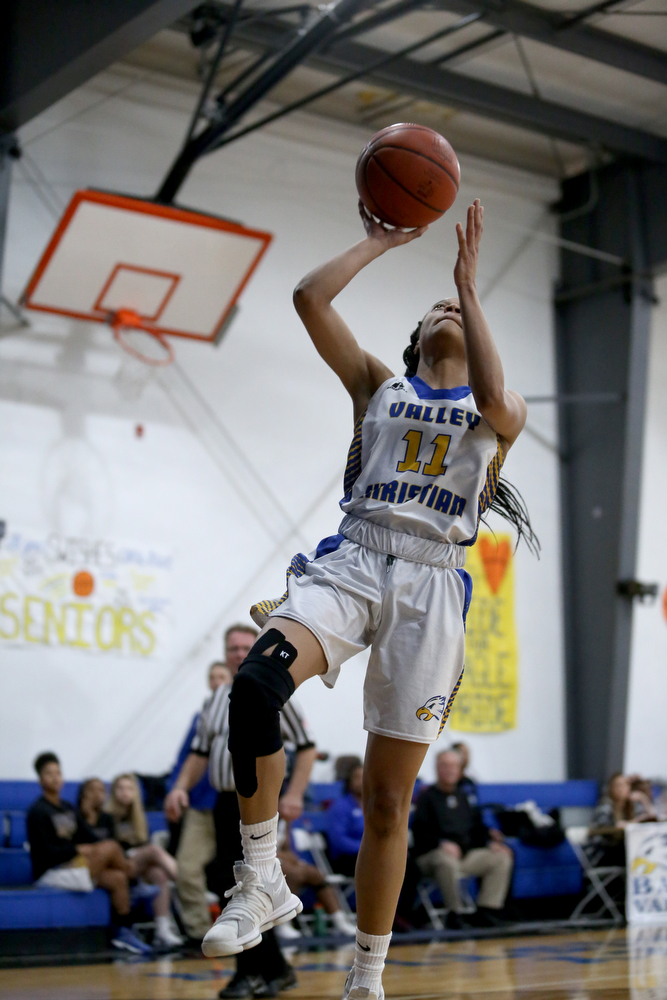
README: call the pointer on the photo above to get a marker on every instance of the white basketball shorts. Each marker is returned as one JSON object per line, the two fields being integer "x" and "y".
{"x": 411, "y": 614}
{"x": 73, "y": 878}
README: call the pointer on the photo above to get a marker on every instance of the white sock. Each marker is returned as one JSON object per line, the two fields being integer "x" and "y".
{"x": 163, "y": 927}
{"x": 369, "y": 954}
{"x": 259, "y": 845}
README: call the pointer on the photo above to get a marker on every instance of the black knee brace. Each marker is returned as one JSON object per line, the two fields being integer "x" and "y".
{"x": 261, "y": 687}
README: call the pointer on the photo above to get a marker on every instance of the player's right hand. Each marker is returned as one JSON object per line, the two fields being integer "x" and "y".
{"x": 384, "y": 234}
{"x": 175, "y": 804}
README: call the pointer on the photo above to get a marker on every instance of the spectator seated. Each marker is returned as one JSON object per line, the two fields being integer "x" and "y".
{"x": 538, "y": 871}
{"x": 22, "y": 905}
{"x": 25, "y": 906}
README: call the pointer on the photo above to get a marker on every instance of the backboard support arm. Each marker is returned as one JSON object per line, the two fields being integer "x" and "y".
{"x": 322, "y": 26}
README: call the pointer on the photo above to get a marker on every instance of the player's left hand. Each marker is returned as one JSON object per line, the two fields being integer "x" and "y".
{"x": 290, "y": 806}
{"x": 465, "y": 270}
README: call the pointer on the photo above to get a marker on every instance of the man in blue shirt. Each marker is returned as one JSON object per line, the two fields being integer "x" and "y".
{"x": 196, "y": 847}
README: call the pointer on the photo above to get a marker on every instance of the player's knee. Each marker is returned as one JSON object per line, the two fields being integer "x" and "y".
{"x": 261, "y": 688}
{"x": 384, "y": 812}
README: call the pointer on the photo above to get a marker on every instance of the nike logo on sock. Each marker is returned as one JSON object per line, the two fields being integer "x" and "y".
{"x": 253, "y": 837}
{"x": 364, "y": 947}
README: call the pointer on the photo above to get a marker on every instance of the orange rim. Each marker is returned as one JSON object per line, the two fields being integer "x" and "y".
{"x": 126, "y": 318}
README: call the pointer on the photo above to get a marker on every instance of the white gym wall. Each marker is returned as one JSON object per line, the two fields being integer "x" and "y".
{"x": 70, "y": 460}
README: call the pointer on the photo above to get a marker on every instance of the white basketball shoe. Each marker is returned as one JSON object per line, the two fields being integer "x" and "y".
{"x": 256, "y": 904}
{"x": 360, "y": 992}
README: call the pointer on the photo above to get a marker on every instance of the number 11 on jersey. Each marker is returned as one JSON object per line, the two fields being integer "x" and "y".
{"x": 411, "y": 463}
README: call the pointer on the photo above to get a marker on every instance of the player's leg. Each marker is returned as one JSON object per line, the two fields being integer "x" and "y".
{"x": 251, "y": 705}
{"x": 286, "y": 654}
{"x": 390, "y": 771}
{"x": 416, "y": 660}
{"x": 334, "y": 596}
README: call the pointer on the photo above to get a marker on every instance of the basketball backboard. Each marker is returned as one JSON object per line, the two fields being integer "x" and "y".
{"x": 179, "y": 271}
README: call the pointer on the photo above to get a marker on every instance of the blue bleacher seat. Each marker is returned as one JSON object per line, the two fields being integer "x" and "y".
{"x": 538, "y": 871}
{"x": 324, "y": 792}
{"x": 545, "y": 871}
{"x": 156, "y": 822}
{"x": 36, "y": 908}
{"x": 317, "y": 822}
{"x": 15, "y": 866}
{"x": 20, "y": 795}
{"x": 547, "y": 794}
{"x": 18, "y": 833}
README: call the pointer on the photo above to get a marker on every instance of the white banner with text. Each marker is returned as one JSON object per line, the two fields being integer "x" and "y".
{"x": 99, "y": 596}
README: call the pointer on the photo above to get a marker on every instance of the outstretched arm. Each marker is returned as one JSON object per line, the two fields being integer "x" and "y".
{"x": 503, "y": 410}
{"x": 360, "y": 372}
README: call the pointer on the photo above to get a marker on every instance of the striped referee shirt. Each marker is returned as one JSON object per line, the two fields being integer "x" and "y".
{"x": 212, "y": 734}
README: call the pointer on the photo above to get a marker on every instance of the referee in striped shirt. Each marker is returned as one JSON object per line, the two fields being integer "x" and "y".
{"x": 260, "y": 971}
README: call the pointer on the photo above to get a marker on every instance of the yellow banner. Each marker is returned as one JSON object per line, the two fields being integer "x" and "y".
{"x": 486, "y": 702}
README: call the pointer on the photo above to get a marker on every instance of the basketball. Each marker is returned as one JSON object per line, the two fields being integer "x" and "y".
{"x": 407, "y": 175}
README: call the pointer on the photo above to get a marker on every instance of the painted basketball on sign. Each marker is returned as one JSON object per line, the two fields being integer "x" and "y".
{"x": 408, "y": 175}
{"x": 83, "y": 583}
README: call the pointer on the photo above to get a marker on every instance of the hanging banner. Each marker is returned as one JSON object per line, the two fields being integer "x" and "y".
{"x": 94, "y": 595}
{"x": 486, "y": 702}
{"x": 646, "y": 853}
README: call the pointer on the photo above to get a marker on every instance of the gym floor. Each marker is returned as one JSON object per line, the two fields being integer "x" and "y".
{"x": 587, "y": 965}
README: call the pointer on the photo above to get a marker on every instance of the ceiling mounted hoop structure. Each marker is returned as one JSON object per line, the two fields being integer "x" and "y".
{"x": 123, "y": 322}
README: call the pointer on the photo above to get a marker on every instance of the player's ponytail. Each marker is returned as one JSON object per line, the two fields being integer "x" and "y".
{"x": 511, "y": 506}
{"x": 410, "y": 355}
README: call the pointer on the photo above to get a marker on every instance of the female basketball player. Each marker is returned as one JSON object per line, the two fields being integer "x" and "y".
{"x": 423, "y": 467}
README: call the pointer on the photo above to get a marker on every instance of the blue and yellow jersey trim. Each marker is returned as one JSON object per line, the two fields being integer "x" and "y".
{"x": 492, "y": 477}
{"x": 262, "y": 610}
{"x": 353, "y": 464}
{"x": 448, "y": 708}
{"x": 490, "y": 486}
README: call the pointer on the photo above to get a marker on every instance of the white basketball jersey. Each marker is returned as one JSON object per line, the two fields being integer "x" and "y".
{"x": 423, "y": 462}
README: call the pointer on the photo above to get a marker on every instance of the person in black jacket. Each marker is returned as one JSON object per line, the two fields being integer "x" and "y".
{"x": 451, "y": 842}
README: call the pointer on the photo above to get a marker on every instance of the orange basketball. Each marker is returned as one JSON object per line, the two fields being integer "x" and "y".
{"x": 83, "y": 583}
{"x": 408, "y": 175}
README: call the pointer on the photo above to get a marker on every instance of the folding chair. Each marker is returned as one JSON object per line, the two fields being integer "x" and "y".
{"x": 314, "y": 843}
{"x": 425, "y": 888}
{"x": 436, "y": 914}
{"x": 599, "y": 876}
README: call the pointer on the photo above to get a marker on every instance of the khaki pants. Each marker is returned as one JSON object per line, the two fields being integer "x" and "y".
{"x": 493, "y": 867}
{"x": 196, "y": 849}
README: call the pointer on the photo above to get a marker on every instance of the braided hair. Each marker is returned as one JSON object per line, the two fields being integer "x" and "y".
{"x": 507, "y": 500}
{"x": 410, "y": 355}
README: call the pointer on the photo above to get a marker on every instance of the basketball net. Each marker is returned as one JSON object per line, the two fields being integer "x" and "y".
{"x": 145, "y": 350}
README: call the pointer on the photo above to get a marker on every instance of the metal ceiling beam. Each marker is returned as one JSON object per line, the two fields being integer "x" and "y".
{"x": 428, "y": 82}
{"x": 542, "y": 25}
{"x": 322, "y": 23}
{"x": 50, "y": 47}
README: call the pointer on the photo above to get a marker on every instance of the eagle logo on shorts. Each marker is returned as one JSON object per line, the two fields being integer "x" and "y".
{"x": 433, "y": 709}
